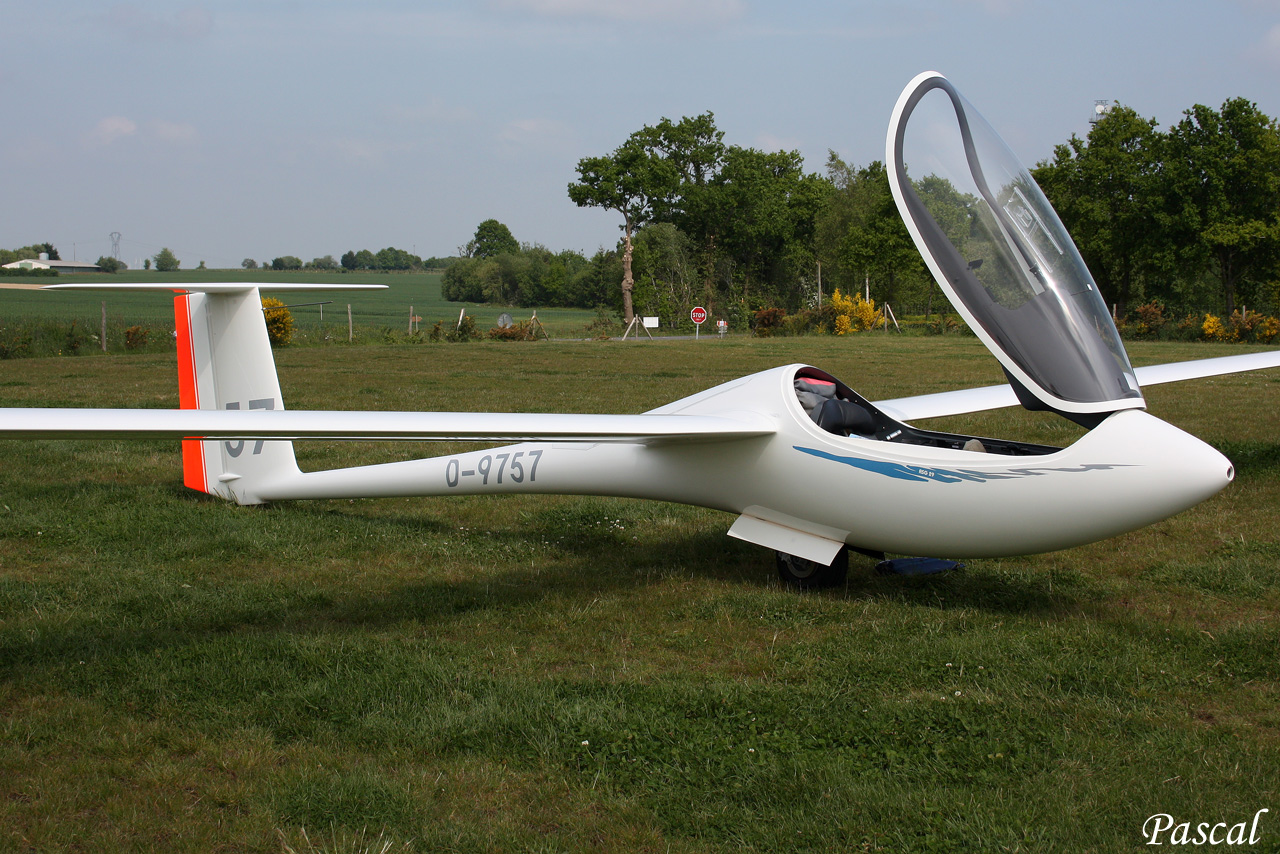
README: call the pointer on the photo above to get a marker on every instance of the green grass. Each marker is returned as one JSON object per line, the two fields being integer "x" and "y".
{"x": 582, "y": 674}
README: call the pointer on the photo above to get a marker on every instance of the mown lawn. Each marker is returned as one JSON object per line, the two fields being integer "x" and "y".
{"x": 578, "y": 674}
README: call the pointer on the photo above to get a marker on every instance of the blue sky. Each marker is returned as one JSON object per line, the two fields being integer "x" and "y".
{"x": 227, "y": 130}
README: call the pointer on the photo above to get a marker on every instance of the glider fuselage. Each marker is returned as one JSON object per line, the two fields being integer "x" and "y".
{"x": 875, "y": 494}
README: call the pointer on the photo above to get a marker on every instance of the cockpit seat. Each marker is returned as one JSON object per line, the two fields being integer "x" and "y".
{"x": 843, "y": 417}
{"x": 813, "y": 392}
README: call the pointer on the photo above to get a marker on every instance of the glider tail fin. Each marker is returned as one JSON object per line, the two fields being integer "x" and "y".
{"x": 225, "y": 362}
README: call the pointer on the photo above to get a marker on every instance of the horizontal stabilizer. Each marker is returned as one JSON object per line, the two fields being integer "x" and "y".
{"x": 208, "y": 287}
{"x": 375, "y": 426}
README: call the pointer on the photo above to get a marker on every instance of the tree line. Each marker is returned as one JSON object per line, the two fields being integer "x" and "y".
{"x": 1187, "y": 218}
{"x": 8, "y": 256}
{"x": 390, "y": 259}
{"x": 494, "y": 267}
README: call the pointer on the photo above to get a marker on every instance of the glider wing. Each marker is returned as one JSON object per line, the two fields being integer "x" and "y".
{"x": 980, "y": 399}
{"x": 51, "y": 423}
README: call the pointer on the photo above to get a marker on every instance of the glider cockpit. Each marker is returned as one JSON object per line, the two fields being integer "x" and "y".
{"x": 838, "y": 409}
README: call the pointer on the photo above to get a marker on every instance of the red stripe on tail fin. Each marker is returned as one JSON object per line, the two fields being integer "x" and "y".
{"x": 193, "y": 469}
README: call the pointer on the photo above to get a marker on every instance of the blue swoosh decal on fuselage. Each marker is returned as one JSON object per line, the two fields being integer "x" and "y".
{"x": 922, "y": 474}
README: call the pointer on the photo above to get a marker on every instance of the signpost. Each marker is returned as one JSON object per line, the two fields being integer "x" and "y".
{"x": 698, "y": 316}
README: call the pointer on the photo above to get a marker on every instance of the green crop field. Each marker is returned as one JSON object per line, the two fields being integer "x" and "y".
{"x": 372, "y": 311}
{"x": 577, "y": 674}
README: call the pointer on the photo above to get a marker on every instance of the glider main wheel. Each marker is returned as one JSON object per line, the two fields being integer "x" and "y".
{"x": 805, "y": 574}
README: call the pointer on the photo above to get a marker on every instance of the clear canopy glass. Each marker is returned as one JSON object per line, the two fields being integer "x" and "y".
{"x": 999, "y": 251}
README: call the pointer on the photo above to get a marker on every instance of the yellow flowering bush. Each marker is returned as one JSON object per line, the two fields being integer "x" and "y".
{"x": 279, "y": 322}
{"x": 1215, "y": 330}
{"x": 1267, "y": 331}
{"x": 854, "y": 313}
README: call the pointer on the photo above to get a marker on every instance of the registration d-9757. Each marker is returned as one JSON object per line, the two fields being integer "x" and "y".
{"x": 516, "y": 467}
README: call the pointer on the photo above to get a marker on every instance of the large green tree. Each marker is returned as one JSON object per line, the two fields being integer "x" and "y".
{"x": 1190, "y": 217}
{"x": 863, "y": 242}
{"x": 630, "y": 182}
{"x": 771, "y": 207}
{"x": 749, "y": 216}
{"x": 492, "y": 239}
{"x": 666, "y": 271}
{"x": 1106, "y": 189}
{"x": 1223, "y": 195}
{"x": 166, "y": 261}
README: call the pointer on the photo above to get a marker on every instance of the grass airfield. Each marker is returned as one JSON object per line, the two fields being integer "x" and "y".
{"x": 579, "y": 674}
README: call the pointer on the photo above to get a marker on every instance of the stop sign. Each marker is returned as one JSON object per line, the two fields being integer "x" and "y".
{"x": 698, "y": 315}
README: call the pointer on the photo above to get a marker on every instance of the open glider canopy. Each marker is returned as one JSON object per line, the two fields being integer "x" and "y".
{"x": 1002, "y": 256}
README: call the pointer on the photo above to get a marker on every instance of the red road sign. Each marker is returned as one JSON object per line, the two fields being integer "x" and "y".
{"x": 698, "y": 315}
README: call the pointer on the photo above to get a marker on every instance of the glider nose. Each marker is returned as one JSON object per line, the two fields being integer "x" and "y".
{"x": 1199, "y": 471}
{"x": 1163, "y": 470}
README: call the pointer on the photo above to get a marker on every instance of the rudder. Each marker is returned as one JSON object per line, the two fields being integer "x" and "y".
{"x": 225, "y": 362}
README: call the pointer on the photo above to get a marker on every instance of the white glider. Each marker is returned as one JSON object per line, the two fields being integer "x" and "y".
{"x": 809, "y": 466}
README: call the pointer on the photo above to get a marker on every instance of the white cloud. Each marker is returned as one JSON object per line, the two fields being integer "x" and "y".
{"x": 115, "y": 128}
{"x": 110, "y": 129}
{"x": 633, "y": 11}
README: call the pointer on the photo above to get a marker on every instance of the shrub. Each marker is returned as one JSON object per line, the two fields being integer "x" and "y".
{"x": 854, "y": 314}
{"x": 279, "y": 322}
{"x": 941, "y": 325}
{"x": 22, "y": 272}
{"x": 1147, "y": 320}
{"x": 166, "y": 261}
{"x": 14, "y": 345}
{"x": 1214, "y": 329}
{"x": 75, "y": 339}
{"x": 1267, "y": 331}
{"x": 603, "y": 326}
{"x": 464, "y": 331}
{"x": 801, "y": 323}
{"x": 135, "y": 338}
{"x": 768, "y": 321}
{"x": 522, "y": 331}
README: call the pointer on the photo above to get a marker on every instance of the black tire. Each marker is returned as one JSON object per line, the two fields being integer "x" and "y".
{"x": 804, "y": 574}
